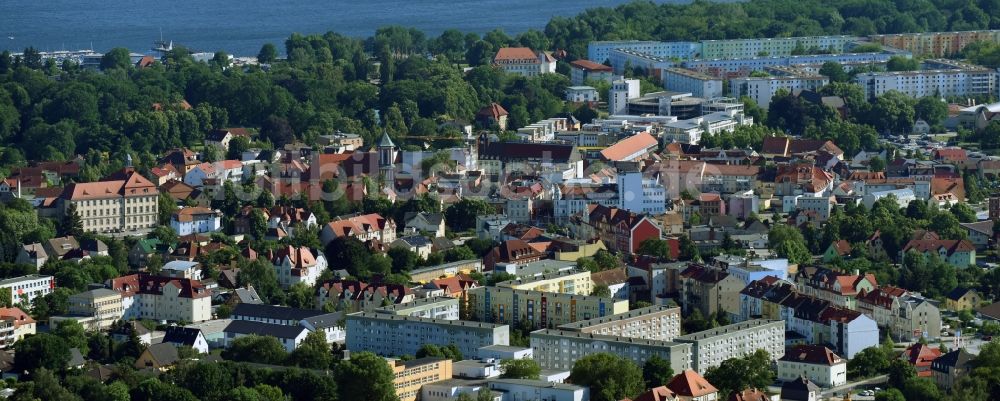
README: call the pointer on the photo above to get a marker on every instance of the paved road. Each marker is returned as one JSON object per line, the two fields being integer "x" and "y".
{"x": 850, "y": 386}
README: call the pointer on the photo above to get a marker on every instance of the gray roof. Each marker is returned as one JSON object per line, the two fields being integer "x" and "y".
{"x": 76, "y": 357}
{"x": 96, "y": 293}
{"x": 537, "y": 383}
{"x": 385, "y": 141}
{"x": 273, "y": 312}
{"x": 415, "y": 241}
{"x": 264, "y": 329}
{"x": 163, "y": 353}
{"x": 248, "y": 296}
{"x": 325, "y": 320}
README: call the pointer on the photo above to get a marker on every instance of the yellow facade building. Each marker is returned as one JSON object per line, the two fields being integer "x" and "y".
{"x": 565, "y": 282}
{"x": 538, "y": 309}
{"x": 410, "y": 376}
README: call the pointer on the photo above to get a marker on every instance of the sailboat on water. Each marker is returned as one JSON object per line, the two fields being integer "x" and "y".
{"x": 11, "y": 36}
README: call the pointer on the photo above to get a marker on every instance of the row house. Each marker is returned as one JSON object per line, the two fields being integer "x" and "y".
{"x": 621, "y": 230}
{"x": 906, "y": 316}
{"x": 839, "y": 288}
{"x": 813, "y": 320}
{"x": 357, "y": 296}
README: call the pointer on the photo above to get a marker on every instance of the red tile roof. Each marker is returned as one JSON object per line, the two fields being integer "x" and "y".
{"x": 812, "y": 354}
{"x": 951, "y": 246}
{"x": 690, "y": 384}
{"x": 493, "y": 110}
{"x": 590, "y": 66}
{"x": 515, "y": 54}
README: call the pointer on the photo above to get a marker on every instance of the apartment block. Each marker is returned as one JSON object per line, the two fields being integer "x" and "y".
{"x": 709, "y": 348}
{"x": 969, "y": 81}
{"x": 102, "y": 305}
{"x": 762, "y": 89}
{"x": 651, "y": 64}
{"x": 539, "y": 309}
{"x": 524, "y": 61}
{"x": 936, "y": 44}
{"x": 441, "y": 307}
{"x": 564, "y": 282}
{"x": 691, "y": 130}
{"x": 582, "y": 71}
{"x": 600, "y": 51}
{"x": 163, "y": 298}
{"x": 560, "y": 349}
{"x": 742, "y": 67}
{"x": 656, "y": 322}
{"x": 409, "y": 376}
{"x": 14, "y": 325}
{"x": 524, "y": 390}
{"x": 25, "y": 289}
{"x": 744, "y": 48}
{"x": 698, "y": 84}
{"x": 393, "y": 335}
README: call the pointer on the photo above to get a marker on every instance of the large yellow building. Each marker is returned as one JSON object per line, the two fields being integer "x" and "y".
{"x": 103, "y": 305}
{"x": 409, "y": 376}
{"x": 124, "y": 201}
{"x": 565, "y": 282}
{"x": 538, "y": 309}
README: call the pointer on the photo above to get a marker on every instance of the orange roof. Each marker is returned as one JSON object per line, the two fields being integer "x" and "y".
{"x": 494, "y": 110}
{"x": 629, "y": 146}
{"x": 690, "y": 384}
{"x": 515, "y": 54}
{"x": 590, "y": 66}
{"x": 188, "y": 214}
{"x": 17, "y": 315}
{"x": 357, "y": 225}
{"x": 661, "y": 393}
{"x": 750, "y": 394}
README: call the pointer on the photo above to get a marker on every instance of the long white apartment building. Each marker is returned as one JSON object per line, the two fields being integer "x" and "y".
{"x": 940, "y": 78}
{"x": 560, "y": 349}
{"x": 393, "y": 335}
{"x": 762, "y": 89}
{"x": 692, "y": 129}
{"x": 621, "y": 59}
{"x": 25, "y": 289}
{"x": 656, "y": 322}
{"x": 600, "y": 51}
{"x": 685, "y": 80}
{"x": 710, "y": 347}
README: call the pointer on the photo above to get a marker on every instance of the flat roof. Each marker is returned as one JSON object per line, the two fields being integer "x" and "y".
{"x": 414, "y": 319}
{"x": 420, "y": 302}
{"x": 538, "y": 383}
{"x": 729, "y": 329}
{"x": 632, "y": 314}
{"x": 606, "y": 338}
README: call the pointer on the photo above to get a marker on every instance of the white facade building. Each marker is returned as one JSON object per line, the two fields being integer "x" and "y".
{"x": 691, "y": 130}
{"x": 762, "y": 89}
{"x": 815, "y": 362}
{"x": 710, "y": 347}
{"x": 620, "y": 93}
{"x": 698, "y": 84}
{"x": 25, "y": 289}
{"x": 388, "y": 334}
{"x": 961, "y": 81}
{"x": 582, "y": 94}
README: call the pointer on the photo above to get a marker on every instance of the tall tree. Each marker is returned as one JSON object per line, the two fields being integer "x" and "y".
{"x": 610, "y": 377}
{"x": 366, "y": 376}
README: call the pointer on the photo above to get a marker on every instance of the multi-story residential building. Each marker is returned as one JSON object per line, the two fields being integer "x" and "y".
{"x": 310, "y": 319}
{"x": 14, "y": 325}
{"x": 621, "y": 92}
{"x": 220, "y": 171}
{"x": 639, "y": 194}
{"x": 553, "y": 161}
{"x": 980, "y": 233}
{"x": 819, "y": 207}
{"x": 958, "y": 253}
{"x": 709, "y": 348}
{"x": 440, "y": 307}
{"x": 524, "y": 390}
{"x": 298, "y": 265}
{"x": 409, "y": 376}
{"x": 907, "y": 317}
{"x": 538, "y": 309}
{"x": 582, "y": 71}
{"x": 921, "y": 357}
{"x": 660, "y": 323}
{"x": 746, "y": 48}
{"x": 196, "y": 220}
{"x": 356, "y": 296}
{"x": 936, "y": 44}
{"x": 696, "y": 83}
{"x": 600, "y": 51}
{"x": 742, "y": 67}
{"x": 816, "y": 362}
{"x": 691, "y": 130}
{"x": 839, "y": 288}
{"x": 564, "y": 282}
{"x": 124, "y": 201}
{"x": 948, "y": 368}
{"x": 23, "y": 290}
{"x": 960, "y": 82}
{"x": 621, "y": 230}
{"x": 709, "y": 290}
{"x": 363, "y": 227}
{"x": 392, "y": 335}
{"x": 524, "y": 61}
{"x": 560, "y": 349}
{"x": 102, "y": 306}
{"x": 221, "y": 137}
{"x": 643, "y": 63}
{"x": 163, "y": 298}
{"x": 762, "y": 89}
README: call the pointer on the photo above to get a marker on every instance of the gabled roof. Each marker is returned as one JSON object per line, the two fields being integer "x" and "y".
{"x": 812, "y": 354}
{"x": 515, "y": 54}
{"x": 610, "y": 277}
{"x": 261, "y": 311}
{"x": 163, "y": 353}
{"x": 950, "y": 246}
{"x": 590, "y": 66}
{"x": 264, "y": 329}
{"x": 493, "y": 110}
{"x": 750, "y": 394}
{"x": 958, "y": 293}
{"x": 690, "y": 384}
{"x": 181, "y": 335}
{"x": 661, "y": 393}
{"x": 629, "y": 146}
{"x": 959, "y": 358}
